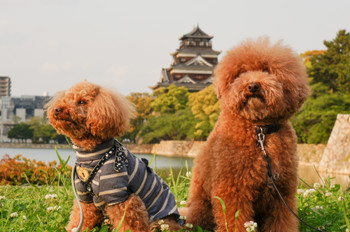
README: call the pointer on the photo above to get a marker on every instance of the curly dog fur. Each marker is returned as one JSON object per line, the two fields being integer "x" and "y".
{"x": 258, "y": 84}
{"x": 89, "y": 115}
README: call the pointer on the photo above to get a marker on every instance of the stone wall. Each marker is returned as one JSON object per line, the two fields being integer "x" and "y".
{"x": 172, "y": 148}
{"x": 139, "y": 148}
{"x": 310, "y": 153}
{"x": 336, "y": 156}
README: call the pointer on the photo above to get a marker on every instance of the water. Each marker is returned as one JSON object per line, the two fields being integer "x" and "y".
{"x": 310, "y": 176}
{"x": 48, "y": 155}
{"x": 306, "y": 172}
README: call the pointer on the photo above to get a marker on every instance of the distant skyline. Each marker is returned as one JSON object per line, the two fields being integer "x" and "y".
{"x": 48, "y": 46}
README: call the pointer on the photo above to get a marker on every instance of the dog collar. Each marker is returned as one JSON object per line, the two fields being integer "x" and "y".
{"x": 267, "y": 129}
{"x": 96, "y": 154}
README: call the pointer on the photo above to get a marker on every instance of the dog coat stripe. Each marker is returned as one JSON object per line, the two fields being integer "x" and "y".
{"x": 142, "y": 184}
{"x": 173, "y": 210}
{"x": 155, "y": 199}
{"x": 95, "y": 182}
{"x": 112, "y": 191}
{"x": 151, "y": 189}
{"x": 163, "y": 207}
{"x": 135, "y": 170}
{"x": 83, "y": 193}
{"x": 113, "y": 175}
{"x": 102, "y": 203}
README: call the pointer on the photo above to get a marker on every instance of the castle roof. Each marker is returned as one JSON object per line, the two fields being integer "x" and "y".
{"x": 193, "y": 51}
{"x": 196, "y": 33}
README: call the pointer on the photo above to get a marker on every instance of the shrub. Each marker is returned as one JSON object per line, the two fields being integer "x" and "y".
{"x": 20, "y": 170}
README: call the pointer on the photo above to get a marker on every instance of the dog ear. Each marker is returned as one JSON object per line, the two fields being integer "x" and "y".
{"x": 303, "y": 91}
{"x": 228, "y": 69}
{"x": 223, "y": 77}
{"x": 109, "y": 115}
{"x": 295, "y": 81}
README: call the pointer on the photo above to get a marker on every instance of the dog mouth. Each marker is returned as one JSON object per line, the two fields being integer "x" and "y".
{"x": 252, "y": 103}
{"x": 66, "y": 121}
{"x": 253, "y": 97}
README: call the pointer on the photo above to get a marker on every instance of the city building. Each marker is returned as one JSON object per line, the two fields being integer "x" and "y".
{"x": 23, "y": 107}
{"x": 18, "y": 109}
{"x": 5, "y": 86}
{"x": 192, "y": 63}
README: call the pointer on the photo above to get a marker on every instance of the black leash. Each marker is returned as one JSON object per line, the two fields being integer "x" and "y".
{"x": 261, "y": 132}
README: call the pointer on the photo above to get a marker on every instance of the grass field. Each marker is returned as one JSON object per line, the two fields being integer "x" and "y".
{"x": 47, "y": 207}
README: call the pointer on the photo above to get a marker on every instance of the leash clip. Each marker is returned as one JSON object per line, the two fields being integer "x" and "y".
{"x": 261, "y": 139}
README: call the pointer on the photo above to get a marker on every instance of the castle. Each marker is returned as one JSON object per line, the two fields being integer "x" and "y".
{"x": 192, "y": 64}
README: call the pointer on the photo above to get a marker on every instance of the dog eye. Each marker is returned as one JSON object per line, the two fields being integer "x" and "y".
{"x": 266, "y": 70}
{"x": 81, "y": 102}
{"x": 237, "y": 74}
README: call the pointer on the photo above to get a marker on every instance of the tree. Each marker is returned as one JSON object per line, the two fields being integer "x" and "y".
{"x": 142, "y": 102}
{"x": 314, "y": 123}
{"x": 205, "y": 108}
{"x": 170, "y": 100}
{"x": 21, "y": 131}
{"x": 333, "y": 67}
{"x": 330, "y": 84}
{"x": 43, "y": 131}
{"x": 171, "y": 118}
{"x": 169, "y": 126}
{"x": 306, "y": 56}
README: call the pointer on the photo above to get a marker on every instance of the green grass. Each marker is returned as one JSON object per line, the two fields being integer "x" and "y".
{"x": 33, "y": 210}
{"x": 47, "y": 208}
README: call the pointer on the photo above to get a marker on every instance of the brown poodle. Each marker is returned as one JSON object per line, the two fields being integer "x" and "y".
{"x": 110, "y": 180}
{"x": 260, "y": 86}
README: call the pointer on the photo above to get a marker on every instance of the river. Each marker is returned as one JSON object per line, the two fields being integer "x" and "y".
{"x": 48, "y": 155}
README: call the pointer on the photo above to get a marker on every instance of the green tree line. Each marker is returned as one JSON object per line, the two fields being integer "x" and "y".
{"x": 36, "y": 129}
{"x": 329, "y": 73}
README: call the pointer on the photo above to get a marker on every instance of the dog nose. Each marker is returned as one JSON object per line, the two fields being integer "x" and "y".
{"x": 58, "y": 110}
{"x": 253, "y": 87}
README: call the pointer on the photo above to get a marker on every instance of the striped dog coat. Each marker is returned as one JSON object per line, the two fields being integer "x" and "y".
{"x": 120, "y": 175}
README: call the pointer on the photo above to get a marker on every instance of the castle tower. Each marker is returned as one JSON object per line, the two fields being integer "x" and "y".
{"x": 193, "y": 63}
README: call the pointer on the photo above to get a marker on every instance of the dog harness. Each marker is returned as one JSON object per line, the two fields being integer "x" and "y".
{"x": 110, "y": 174}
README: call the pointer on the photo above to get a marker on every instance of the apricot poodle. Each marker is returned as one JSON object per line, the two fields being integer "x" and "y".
{"x": 110, "y": 180}
{"x": 260, "y": 86}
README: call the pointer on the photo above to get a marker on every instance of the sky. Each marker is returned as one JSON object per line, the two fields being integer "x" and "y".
{"x": 48, "y": 46}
